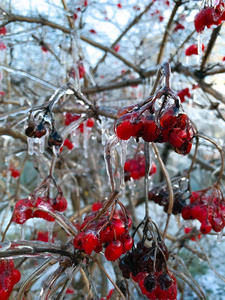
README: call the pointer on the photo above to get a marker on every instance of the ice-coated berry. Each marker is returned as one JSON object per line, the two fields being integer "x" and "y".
{"x": 89, "y": 242}
{"x": 114, "y": 250}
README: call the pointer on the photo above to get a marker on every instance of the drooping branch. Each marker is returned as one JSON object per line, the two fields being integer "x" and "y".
{"x": 130, "y": 25}
{"x": 15, "y": 18}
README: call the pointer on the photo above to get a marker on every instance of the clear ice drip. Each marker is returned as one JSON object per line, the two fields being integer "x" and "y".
{"x": 42, "y": 144}
{"x": 30, "y": 142}
{"x": 123, "y": 155}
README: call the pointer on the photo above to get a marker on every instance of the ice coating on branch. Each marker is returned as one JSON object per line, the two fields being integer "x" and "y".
{"x": 5, "y": 246}
{"x": 56, "y": 150}
{"x": 30, "y": 142}
{"x": 123, "y": 155}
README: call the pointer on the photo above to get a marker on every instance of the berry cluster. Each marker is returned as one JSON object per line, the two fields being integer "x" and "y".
{"x": 166, "y": 124}
{"x": 184, "y": 93}
{"x": 135, "y": 168}
{"x": 209, "y": 16}
{"x": 109, "y": 231}
{"x": 193, "y": 50}
{"x": 208, "y": 209}
{"x": 35, "y": 130}
{"x": 69, "y": 118}
{"x": 9, "y": 276}
{"x": 24, "y": 208}
{"x": 160, "y": 195}
{"x": 147, "y": 266}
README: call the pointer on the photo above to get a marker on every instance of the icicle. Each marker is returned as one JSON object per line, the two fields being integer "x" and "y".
{"x": 177, "y": 219}
{"x": 50, "y": 226}
{"x": 75, "y": 136}
{"x": 199, "y": 47}
{"x": 103, "y": 130}
{"x": 108, "y": 154}
{"x": 30, "y": 142}
{"x": 42, "y": 144}
{"x": 69, "y": 272}
{"x": 8, "y": 176}
{"x": 86, "y": 139}
{"x": 219, "y": 236}
{"x": 22, "y": 232}
{"x": 123, "y": 154}
{"x": 132, "y": 186}
{"x": 187, "y": 60}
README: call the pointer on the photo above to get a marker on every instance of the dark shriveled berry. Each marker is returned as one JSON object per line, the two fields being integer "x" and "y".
{"x": 55, "y": 139}
{"x": 40, "y": 130}
{"x": 165, "y": 281}
{"x": 29, "y": 129}
{"x": 150, "y": 283}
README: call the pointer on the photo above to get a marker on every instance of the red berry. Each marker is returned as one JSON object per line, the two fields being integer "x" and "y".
{"x": 150, "y": 129}
{"x": 206, "y": 227}
{"x": 81, "y": 70}
{"x": 177, "y": 137}
{"x": 107, "y": 235}
{"x": 179, "y": 27}
{"x": 127, "y": 241}
{"x": 118, "y": 226}
{"x": 15, "y": 276}
{"x": 3, "y": 30}
{"x": 193, "y": 50}
{"x": 116, "y": 48}
{"x": 90, "y": 122}
{"x": 119, "y": 5}
{"x": 23, "y": 211}
{"x": 42, "y": 236}
{"x": 114, "y": 250}
{"x": 92, "y": 31}
{"x": 78, "y": 241}
{"x": 153, "y": 169}
{"x": 89, "y": 242}
{"x": 69, "y": 291}
{"x": 14, "y": 173}
{"x": 44, "y": 49}
{"x": 123, "y": 127}
{"x": 59, "y": 203}
{"x": 96, "y": 206}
